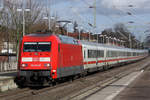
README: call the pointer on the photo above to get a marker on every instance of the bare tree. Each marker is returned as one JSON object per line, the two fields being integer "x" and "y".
{"x": 11, "y": 21}
{"x": 31, "y": 17}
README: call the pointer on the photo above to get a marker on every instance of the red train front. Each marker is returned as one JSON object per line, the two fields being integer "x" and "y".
{"x": 44, "y": 58}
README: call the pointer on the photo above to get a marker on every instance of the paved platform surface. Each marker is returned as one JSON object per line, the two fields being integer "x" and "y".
{"x": 114, "y": 89}
{"x": 138, "y": 90}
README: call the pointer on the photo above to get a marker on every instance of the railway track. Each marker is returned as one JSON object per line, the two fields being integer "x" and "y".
{"x": 71, "y": 90}
{"x": 25, "y": 92}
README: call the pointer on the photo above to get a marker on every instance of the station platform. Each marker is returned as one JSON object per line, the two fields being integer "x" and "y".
{"x": 135, "y": 86}
{"x": 7, "y": 81}
{"x": 137, "y": 90}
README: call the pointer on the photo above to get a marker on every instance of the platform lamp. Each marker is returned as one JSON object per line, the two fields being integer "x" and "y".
{"x": 23, "y": 17}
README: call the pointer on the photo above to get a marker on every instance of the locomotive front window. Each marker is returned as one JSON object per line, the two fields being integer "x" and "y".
{"x": 37, "y": 46}
{"x": 30, "y": 46}
{"x": 44, "y": 46}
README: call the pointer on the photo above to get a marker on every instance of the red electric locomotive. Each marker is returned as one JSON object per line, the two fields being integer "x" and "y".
{"x": 44, "y": 58}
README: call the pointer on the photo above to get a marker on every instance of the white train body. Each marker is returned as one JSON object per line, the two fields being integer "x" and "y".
{"x": 99, "y": 56}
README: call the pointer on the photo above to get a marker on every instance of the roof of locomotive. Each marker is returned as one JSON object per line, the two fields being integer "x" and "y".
{"x": 63, "y": 38}
{"x": 39, "y": 34}
{"x": 68, "y": 40}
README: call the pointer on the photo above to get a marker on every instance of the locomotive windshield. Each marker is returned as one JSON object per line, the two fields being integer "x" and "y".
{"x": 37, "y": 46}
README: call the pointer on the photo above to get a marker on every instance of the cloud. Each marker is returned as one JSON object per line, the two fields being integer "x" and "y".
{"x": 139, "y": 6}
{"x": 106, "y": 7}
{"x": 123, "y": 4}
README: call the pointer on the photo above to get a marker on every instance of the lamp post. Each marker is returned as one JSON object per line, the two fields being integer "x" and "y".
{"x": 122, "y": 43}
{"x": 130, "y": 41}
{"x": 119, "y": 42}
{"x": 49, "y": 21}
{"x": 104, "y": 38}
{"x": 115, "y": 41}
{"x": 89, "y": 35}
{"x": 47, "y": 18}
{"x": 23, "y": 17}
{"x": 101, "y": 38}
{"x": 107, "y": 40}
{"x": 49, "y": 13}
{"x": 97, "y": 37}
{"x": 94, "y": 7}
{"x": 80, "y": 28}
{"x": 67, "y": 28}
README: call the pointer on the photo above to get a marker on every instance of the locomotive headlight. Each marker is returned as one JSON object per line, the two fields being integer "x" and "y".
{"x": 26, "y": 59}
{"x": 24, "y": 65}
{"x": 47, "y": 65}
{"x": 43, "y": 59}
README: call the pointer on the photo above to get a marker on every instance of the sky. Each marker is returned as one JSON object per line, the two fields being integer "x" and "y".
{"x": 108, "y": 13}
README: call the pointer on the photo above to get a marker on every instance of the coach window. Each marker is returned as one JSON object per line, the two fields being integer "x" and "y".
{"x": 118, "y": 54}
{"x": 94, "y": 53}
{"x": 124, "y": 54}
{"x": 127, "y": 53}
{"x": 108, "y": 54}
{"x": 134, "y": 54}
{"x": 84, "y": 53}
{"x": 113, "y": 53}
{"x": 91, "y": 53}
{"x": 100, "y": 53}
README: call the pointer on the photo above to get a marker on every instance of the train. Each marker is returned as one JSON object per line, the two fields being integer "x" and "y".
{"x": 46, "y": 58}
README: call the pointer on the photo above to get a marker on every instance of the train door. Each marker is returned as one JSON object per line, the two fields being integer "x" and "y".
{"x": 85, "y": 56}
{"x": 106, "y": 57}
{"x": 97, "y": 57}
{"x": 109, "y": 58}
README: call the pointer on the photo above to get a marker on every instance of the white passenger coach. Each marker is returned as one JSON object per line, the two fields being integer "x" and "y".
{"x": 100, "y": 56}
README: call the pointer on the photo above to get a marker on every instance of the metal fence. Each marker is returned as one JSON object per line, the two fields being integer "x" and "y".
{"x": 8, "y": 66}
{"x": 8, "y": 62}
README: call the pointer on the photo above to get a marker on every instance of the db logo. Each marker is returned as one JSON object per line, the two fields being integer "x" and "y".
{"x": 36, "y": 54}
{"x": 36, "y": 59}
